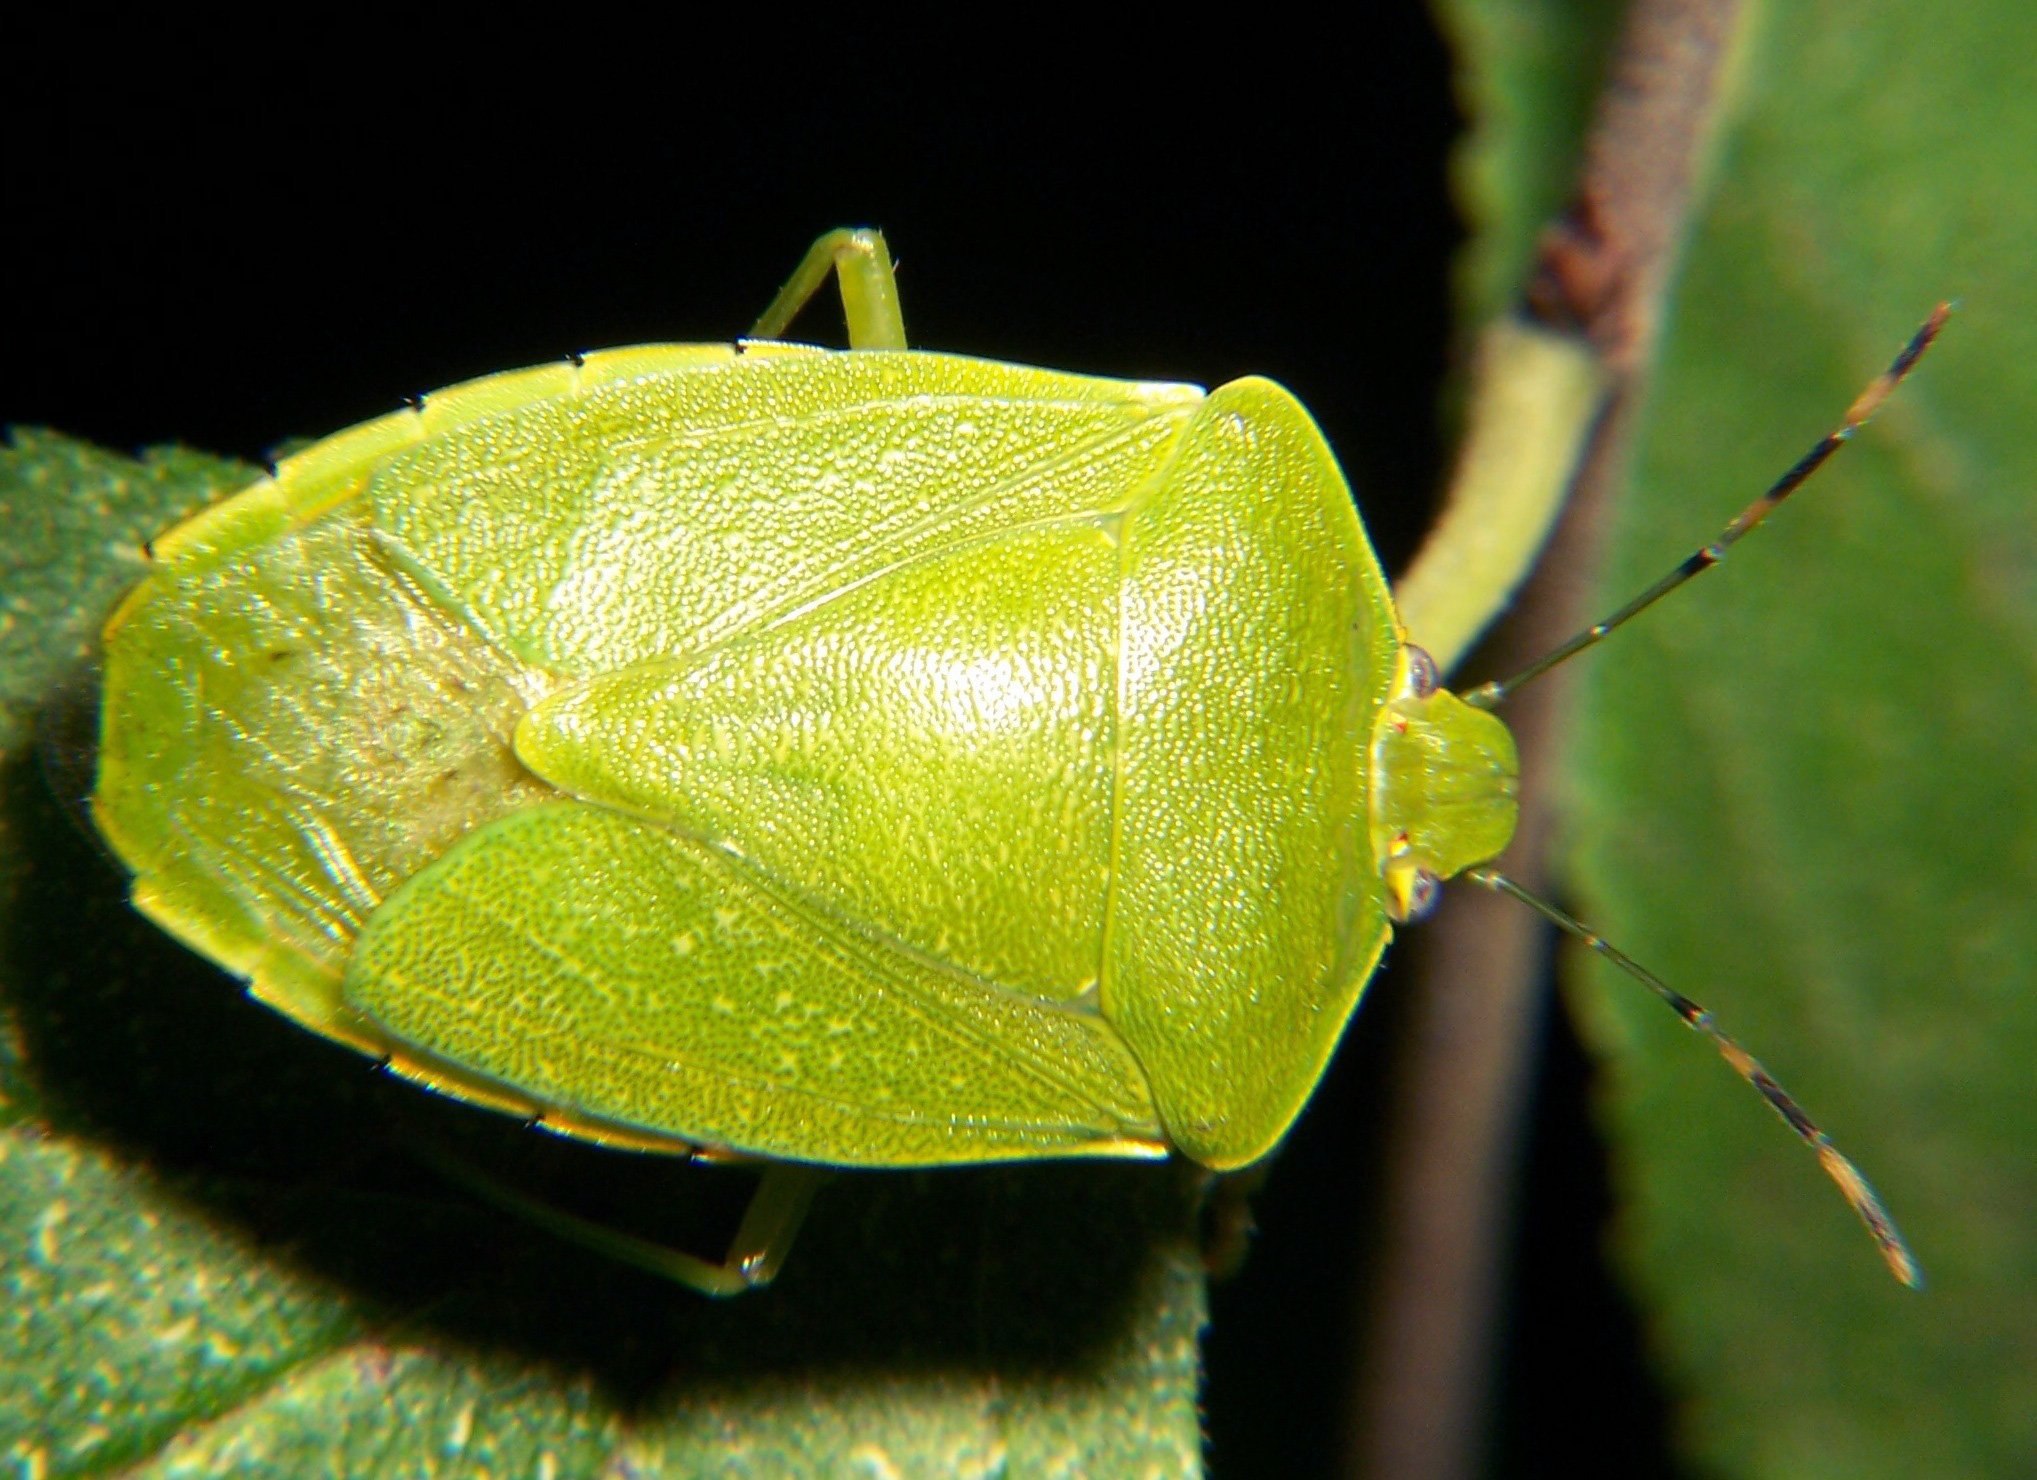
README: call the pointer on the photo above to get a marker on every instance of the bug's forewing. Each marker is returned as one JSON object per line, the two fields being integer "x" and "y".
{"x": 625, "y": 973}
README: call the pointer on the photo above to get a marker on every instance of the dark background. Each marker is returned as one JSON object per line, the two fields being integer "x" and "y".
{"x": 234, "y": 262}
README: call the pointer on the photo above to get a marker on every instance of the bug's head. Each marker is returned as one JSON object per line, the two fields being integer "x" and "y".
{"x": 1445, "y": 778}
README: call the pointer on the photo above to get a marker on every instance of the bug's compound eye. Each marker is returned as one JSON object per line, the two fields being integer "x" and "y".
{"x": 1423, "y": 892}
{"x": 1422, "y": 674}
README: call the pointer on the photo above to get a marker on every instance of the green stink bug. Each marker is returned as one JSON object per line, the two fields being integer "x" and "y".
{"x": 870, "y": 758}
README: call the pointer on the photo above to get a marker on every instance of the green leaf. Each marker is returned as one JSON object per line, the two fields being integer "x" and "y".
{"x": 220, "y": 1258}
{"x": 1803, "y": 791}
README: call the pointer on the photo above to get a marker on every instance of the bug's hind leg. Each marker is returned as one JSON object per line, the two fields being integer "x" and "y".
{"x": 755, "y": 1254}
{"x": 754, "y": 1257}
{"x": 858, "y": 259}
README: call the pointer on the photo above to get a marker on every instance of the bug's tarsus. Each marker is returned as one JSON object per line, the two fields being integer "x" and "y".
{"x": 1865, "y": 405}
{"x": 1854, "y": 1187}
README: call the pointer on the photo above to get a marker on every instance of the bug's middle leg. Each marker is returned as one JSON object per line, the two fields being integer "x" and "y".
{"x": 858, "y": 259}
